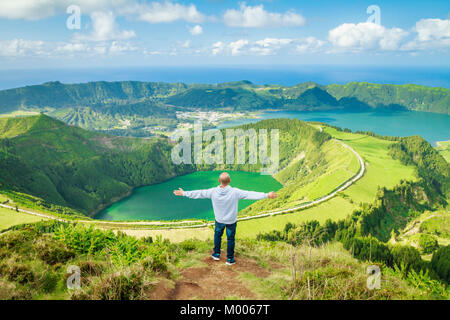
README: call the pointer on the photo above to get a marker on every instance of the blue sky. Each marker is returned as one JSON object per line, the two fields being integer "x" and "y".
{"x": 223, "y": 32}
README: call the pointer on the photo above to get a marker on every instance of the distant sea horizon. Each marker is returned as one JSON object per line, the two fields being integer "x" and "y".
{"x": 282, "y": 75}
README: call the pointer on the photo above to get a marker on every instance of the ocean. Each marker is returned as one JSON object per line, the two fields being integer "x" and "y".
{"x": 283, "y": 75}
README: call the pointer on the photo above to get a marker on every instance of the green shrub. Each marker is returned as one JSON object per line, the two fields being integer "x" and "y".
{"x": 440, "y": 263}
{"x": 15, "y": 240}
{"x": 124, "y": 250}
{"x": 428, "y": 243}
{"x": 85, "y": 240}
{"x": 40, "y": 227}
{"x": 369, "y": 249}
{"x": 11, "y": 291}
{"x": 47, "y": 281}
{"x": 52, "y": 252}
{"x": 408, "y": 258}
{"x": 17, "y": 271}
{"x": 124, "y": 285}
{"x": 157, "y": 259}
{"x": 310, "y": 232}
{"x": 91, "y": 268}
{"x": 422, "y": 280}
{"x": 188, "y": 245}
{"x": 4, "y": 253}
{"x": 148, "y": 240}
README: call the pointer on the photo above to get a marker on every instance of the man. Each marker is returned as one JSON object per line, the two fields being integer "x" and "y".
{"x": 225, "y": 205}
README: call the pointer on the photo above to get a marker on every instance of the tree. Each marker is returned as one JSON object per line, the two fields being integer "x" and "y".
{"x": 428, "y": 243}
{"x": 440, "y": 263}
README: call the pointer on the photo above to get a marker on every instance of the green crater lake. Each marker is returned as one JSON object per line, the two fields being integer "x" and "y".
{"x": 157, "y": 202}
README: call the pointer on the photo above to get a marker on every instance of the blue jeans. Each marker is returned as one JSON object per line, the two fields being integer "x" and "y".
{"x": 231, "y": 232}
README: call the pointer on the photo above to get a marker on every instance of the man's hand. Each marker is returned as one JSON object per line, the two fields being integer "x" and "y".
{"x": 178, "y": 192}
{"x": 272, "y": 195}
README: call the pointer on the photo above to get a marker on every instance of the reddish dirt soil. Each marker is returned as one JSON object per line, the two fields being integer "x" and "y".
{"x": 214, "y": 281}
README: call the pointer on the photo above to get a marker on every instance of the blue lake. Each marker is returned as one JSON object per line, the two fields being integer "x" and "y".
{"x": 431, "y": 126}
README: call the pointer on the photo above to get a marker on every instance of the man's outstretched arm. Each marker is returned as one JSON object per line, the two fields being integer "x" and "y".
{"x": 195, "y": 194}
{"x": 253, "y": 195}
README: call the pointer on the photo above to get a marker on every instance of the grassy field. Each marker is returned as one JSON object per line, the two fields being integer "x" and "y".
{"x": 342, "y": 165}
{"x": 315, "y": 175}
{"x": 9, "y": 218}
{"x": 444, "y": 149}
{"x": 381, "y": 169}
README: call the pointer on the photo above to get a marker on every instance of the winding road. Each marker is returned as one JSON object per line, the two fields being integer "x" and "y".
{"x": 179, "y": 225}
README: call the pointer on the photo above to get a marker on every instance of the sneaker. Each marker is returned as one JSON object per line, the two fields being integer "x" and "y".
{"x": 216, "y": 256}
{"x": 230, "y": 262}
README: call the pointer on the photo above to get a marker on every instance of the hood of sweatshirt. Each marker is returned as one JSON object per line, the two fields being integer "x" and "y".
{"x": 224, "y": 191}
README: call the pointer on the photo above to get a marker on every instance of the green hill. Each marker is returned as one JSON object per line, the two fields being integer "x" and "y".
{"x": 72, "y": 167}
{"x": 388, "y": 96}
{"x": 215, "y": 98}
{"x": 57, "y": 95}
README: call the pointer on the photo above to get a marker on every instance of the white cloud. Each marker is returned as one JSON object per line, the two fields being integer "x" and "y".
{"x": 427, "y": 35}
{"x": 432, "y": 34}
{"x": 105, "y": 28}
{"x": 27, "y": 9}
{"x": 309, "y": 45}
{"x": 273, "y": 42}
{"x": 432, "y": 29}
{"x": 164, "y": 12}
{"x": 233, "y": 48}
{"x": 40, "y": 9}
{"x": 72, "y": 47}
{"x": 21, "y": 47}
{"x": 217, "y": 48}
{"x": 152, "y": 12}
{"x": 117, "y": 47}
{"x": 236, "y": 46}
{"x": 257, "y": 17}
{"x": 268, "y": 46}
{"x": 365, "y": 36}
{"x": 196, "y": 30}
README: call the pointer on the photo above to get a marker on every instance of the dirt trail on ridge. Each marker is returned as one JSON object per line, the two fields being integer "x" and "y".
{"x": 215, "y": 281}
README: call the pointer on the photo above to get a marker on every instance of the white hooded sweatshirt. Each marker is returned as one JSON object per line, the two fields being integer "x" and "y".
{"x": 225, "y": 201}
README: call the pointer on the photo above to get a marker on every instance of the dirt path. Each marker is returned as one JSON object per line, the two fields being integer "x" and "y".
{"x": 414, "y": 228}
{"x": 215, "y": 281}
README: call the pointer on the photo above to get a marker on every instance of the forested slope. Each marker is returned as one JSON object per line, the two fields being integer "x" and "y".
{"x": 388, "y": 96}
{"x": 73, "y": 167}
